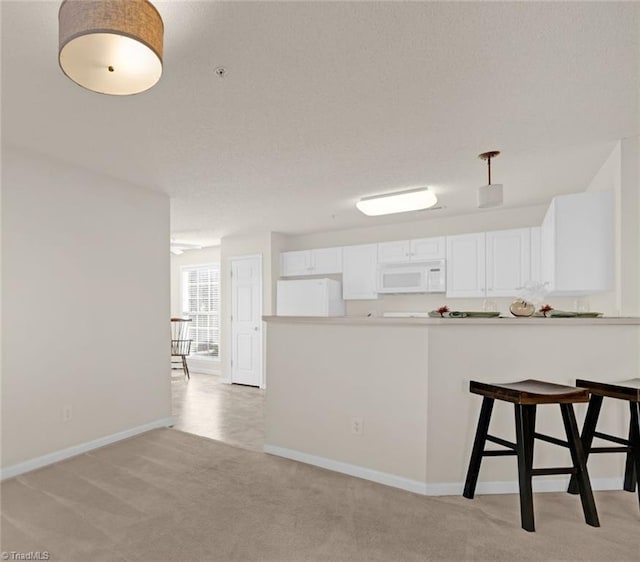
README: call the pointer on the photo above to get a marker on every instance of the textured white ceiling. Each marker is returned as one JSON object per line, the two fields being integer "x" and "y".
{"x": 327, "y": 102}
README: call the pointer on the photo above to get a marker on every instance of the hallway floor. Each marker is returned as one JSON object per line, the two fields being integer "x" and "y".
{"x": 230, "y": 413}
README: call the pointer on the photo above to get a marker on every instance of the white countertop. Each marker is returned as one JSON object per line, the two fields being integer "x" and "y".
{"x": 500, "y": 321}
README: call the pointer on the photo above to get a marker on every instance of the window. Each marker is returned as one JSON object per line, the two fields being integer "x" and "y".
{"x": 200, "y": 290}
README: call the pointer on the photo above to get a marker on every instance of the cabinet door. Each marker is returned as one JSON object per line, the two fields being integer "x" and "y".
{"x": 359, "y": 270}
{"x": 466, "y": 265}
{"x": 547, "y": 249}
{"x": 536, "y": 254}
{"x": 295, "y": 263}
{"x": 580, "y": 244}
{"x": 326, "y": 260}
{"x": 394, "y": 252}
{"x": 508, "y": 261}
{"x": 424, "y": 249}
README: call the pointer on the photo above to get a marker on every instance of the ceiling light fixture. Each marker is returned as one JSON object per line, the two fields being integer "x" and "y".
{"x": 398, "y": 202}
{"x": 111, "y": 46}
{"x": 178, "y": 248}
{"x": 489, "y": 195}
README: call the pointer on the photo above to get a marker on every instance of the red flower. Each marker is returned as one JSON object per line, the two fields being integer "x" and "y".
{"x": 546, "y": 308}
{"x": 442, "y": 310}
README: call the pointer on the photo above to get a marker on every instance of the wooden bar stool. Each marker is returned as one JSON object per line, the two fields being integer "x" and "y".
{"x": 526, "y": 396}
{"x": 628, "y": 390}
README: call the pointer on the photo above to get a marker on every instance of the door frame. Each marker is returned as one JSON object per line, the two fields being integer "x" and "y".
{"x": 260, "y": 323}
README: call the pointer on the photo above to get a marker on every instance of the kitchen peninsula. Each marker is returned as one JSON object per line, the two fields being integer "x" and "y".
{"x": 387, "y": 399}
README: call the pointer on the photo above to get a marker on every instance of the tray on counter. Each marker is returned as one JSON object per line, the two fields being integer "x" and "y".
{"x": 464, "y": 314}
{"x": 568, "y": 314}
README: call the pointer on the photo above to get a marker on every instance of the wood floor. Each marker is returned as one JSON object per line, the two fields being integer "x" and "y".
{"x": 208, "y": 407}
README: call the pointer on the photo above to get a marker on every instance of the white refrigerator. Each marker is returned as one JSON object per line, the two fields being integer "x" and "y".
{"x": 310, "y": 297}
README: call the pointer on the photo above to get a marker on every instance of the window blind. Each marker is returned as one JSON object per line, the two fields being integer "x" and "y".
{"x": 201, "y": 302}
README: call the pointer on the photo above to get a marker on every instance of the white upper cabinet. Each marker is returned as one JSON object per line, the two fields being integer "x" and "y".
{"x": 536, "y": 254}
{"x": 425, "y": 249}
{"x": 323, "y": 261}
{"x": 491, "y": 264}
{"x": 326, "y": 260}
{"x": 508, "y": 261}
{"x": 405, "y": 251}
{"x": 295, "y": 263}
{"x": 359, "y": 272}
{"x": 394, "y": 252}
{"x": 466, "y": 265}
{"x": 577, "y": 241}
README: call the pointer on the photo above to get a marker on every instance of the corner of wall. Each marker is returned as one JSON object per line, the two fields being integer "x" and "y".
{"x": 608, "y": 178}
{"x": 630, "y": 226}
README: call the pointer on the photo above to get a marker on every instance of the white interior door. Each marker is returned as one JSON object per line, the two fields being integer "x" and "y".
{"x": 246, "y": 320}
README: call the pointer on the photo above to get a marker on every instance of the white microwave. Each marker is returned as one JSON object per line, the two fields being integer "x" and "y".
{"x": 426, "y": 277}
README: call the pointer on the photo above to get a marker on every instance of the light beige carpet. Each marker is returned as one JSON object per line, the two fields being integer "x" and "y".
{"x": 168, "y": 495}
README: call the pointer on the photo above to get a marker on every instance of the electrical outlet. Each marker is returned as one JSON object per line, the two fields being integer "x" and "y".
{"x": 67, "y": 413}
{"x": 357, "y": 425}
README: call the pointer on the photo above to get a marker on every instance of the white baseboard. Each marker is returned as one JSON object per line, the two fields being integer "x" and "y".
{"x": 350, "y": 469}
{"x": 56, "y": 456}
{"x": 204, "y": 366}
{"x": 440, "y": 489}
{"x": 511, "y": 487}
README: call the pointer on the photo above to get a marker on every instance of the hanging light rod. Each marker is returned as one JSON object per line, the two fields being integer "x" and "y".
{"x": 111, "y": 46}
{"x": 489, "y": 195}
{"x": 397, "y": 202}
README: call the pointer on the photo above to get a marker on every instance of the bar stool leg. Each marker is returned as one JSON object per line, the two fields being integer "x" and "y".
{"x": 634, "y": 440}
{"x": 478, "y": 448}
{"x": 525, "y": 420}
{"x": 630, "y": 476}
{"x": 185, "y": 367}
{"x": 588, "y": 429}
{"x": 579, "y": 462}
{"x": 530, "y": 411}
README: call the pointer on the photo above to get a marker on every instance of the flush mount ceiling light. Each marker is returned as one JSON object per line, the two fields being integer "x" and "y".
{"x": 111, "y": 46}
{"x": 178, "y": 248}
{"x": 398, "y": 202}
{"x": 489, "y": 195}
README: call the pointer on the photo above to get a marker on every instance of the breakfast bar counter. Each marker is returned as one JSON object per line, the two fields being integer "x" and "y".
{"x": 388, "y": 399}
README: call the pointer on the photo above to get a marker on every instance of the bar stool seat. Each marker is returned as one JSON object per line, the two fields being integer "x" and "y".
{"x": 628, "y": 390}
{"x": 526, "y": 396}
{"x": 624, "y": 390}
{"x": 531, "y": 392}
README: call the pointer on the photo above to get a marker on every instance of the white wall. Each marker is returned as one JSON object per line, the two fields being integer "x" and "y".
{"x": 85, "y": 304}
{"x": 409, "y": 385}
{"x": 620, "y": 174}
{"x": 430, "y": 225}
{"x": 630, "y": 227}
{"x": 608, "y": 178}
